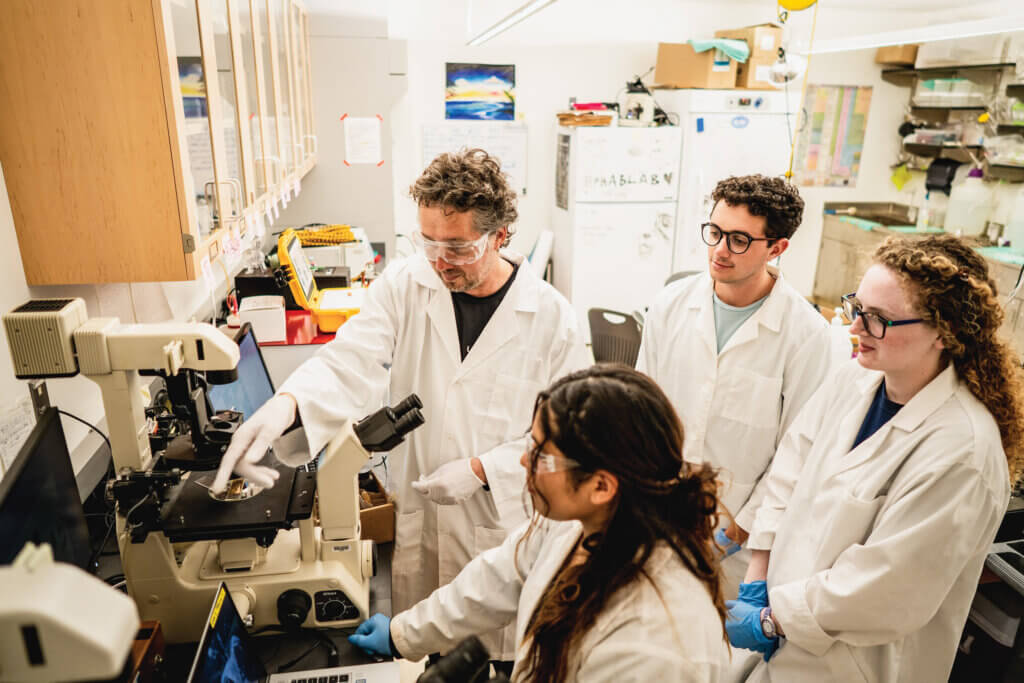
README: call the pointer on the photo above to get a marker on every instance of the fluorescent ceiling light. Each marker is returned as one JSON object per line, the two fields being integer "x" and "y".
{"x": 922, "y": 34}
{"x": 511, "y": 20}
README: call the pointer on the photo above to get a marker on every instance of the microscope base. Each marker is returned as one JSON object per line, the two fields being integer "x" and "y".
{"x": 179, "y": 593}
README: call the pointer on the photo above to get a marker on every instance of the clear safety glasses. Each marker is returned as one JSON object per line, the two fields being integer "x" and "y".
{"x": 543, "y": 463}
{"x": 874, "y": 324}
{"x": 456, "y": 253}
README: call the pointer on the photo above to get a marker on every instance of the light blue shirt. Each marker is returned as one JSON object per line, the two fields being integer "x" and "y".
{"x": 729, "y": 318}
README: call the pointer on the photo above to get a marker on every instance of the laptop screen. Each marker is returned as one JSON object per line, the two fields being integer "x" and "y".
{"x": 253, "y": 387}
{"x": 225, "y": 654}
{"x": 301, "y": 267}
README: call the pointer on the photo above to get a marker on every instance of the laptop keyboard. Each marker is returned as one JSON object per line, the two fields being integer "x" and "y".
{"x": 336, "y": 678}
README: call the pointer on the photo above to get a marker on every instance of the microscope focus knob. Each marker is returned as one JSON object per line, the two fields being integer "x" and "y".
{"x": 292, "y": 608}
{"x": 333, "y": 609}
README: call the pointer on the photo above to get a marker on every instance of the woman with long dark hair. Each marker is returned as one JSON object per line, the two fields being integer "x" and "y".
{"x": 616, "y": 576}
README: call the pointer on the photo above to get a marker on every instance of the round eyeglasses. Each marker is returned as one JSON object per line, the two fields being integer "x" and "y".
{"x": 874, "y": 324}
{"x": 456, "y": 253}
{"x": 738, "y": 242}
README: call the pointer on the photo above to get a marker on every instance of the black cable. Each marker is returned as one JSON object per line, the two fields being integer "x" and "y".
{"x": 333, "y": 657}
{"x": 90, "y": 426}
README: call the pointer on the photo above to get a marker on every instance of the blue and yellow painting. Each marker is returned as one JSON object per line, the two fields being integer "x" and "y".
{"x": 481, "y": 92}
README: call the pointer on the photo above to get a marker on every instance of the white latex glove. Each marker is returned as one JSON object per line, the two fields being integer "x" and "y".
{"x": 250, "y": 443}
{"x": 450, "y": 483}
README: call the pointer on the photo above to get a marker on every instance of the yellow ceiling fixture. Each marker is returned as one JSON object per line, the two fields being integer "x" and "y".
{"x": 796, "y": 5}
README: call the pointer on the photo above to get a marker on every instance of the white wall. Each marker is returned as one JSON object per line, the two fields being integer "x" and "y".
{"x": 548, "y": 72}
{"x": 881, "y": 147}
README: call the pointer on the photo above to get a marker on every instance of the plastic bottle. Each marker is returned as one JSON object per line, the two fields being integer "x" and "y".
{"x": 932, "y": 213}
{"x": 1015, "y": 228}
{"x": 970, "y": 204}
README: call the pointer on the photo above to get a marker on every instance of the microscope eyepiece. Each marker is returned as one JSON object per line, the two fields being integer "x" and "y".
{"x": 410, "y": 402}
{"x": 408, "y": 422}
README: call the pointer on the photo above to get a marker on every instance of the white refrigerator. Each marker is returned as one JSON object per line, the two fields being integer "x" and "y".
{"x": 615, "y": 214}
{"x": 724, "y": 132}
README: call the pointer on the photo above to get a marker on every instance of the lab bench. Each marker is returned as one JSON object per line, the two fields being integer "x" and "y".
{"x": 852, "y": 231}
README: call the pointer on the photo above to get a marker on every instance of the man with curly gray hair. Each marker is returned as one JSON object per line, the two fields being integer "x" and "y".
{"x": 737, "y": 349}
{"x": 476, "y": 334}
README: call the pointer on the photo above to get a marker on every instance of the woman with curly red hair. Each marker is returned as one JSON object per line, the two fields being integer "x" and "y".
{"x": 888, "y": 489}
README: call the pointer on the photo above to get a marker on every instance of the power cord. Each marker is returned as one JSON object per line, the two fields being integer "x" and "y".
{"x": 321, "y": 638}
{"x": 90, "y": 426}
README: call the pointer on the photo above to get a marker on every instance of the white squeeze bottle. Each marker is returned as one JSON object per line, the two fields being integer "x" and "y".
{"x": 970, "y": 204}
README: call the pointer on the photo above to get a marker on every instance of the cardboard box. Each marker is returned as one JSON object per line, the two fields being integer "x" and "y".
{"x": 377, "y": 521}
{"x": 764, "y": 40}
{"x": 896, "y": 55}
{"x": 679, "y": 66}
{"x": 753, "y": 75}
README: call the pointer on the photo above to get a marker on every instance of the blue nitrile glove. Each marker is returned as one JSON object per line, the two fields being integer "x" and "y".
{"x": 743, "y": 622}
{"x": 729, "y": 546}
{"x": 374, "y": 636}
{"x": 754, "y": 593}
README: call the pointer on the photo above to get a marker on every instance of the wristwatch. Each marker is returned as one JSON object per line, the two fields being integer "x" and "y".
{"x": 767, "y": 625}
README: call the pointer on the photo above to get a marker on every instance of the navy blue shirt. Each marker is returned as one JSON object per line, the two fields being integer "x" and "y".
{"x": 880, "y": 411}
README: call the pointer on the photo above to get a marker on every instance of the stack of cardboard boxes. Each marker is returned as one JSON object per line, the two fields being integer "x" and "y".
{"x": 679, "y": 66}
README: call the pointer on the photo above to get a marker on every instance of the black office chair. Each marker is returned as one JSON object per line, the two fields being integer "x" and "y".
{"x": 680, "y": 275}
{"x": 614, "y": 336}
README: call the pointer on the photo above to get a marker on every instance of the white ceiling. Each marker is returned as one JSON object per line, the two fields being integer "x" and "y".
{"x": 620, "y": 21}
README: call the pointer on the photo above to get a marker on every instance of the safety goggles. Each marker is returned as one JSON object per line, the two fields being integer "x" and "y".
{"x": 544, "y": 463}
{"x": 456, "y": 253}
{"x": 874, "y": 324}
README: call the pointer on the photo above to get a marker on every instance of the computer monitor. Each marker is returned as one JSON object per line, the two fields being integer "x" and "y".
{"x": 39, "y": 499}
{"x": 253, "y": 387}
{"x": 224, "y": 652}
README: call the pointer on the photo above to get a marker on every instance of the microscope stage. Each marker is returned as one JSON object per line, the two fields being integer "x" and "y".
{"x": 194, "y": 515}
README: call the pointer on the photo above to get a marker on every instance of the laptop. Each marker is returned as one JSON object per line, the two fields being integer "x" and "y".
{"x": 226, "y": 654}
{"x": 253, "y": 387}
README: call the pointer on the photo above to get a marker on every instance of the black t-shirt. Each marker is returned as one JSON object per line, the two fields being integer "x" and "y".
{"x": 880, "y": 411}
{"x": 473, "y": 312}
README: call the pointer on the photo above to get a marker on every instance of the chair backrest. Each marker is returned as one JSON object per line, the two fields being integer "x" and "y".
{"x": 680, "y": 275}
{"x": 614, "y": 336}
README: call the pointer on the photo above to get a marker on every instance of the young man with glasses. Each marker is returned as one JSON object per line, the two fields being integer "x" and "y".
{"x": 738, "y": 350}
{"x": 476, "y": 335}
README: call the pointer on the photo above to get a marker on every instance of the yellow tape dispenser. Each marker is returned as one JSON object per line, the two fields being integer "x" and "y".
{"x": 330, "y": 307}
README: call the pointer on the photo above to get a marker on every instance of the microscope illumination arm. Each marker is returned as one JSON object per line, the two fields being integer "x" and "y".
{"x": 112, "y": 354}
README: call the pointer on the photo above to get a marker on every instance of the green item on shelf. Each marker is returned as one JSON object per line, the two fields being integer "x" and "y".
{"x": 862, "y": 223}
{"x": 913, "y": 228}
{"x": 736, "y": 49}
{"x": 1003, "y": 254}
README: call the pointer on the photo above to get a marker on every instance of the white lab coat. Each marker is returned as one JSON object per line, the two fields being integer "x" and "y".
{"x": 876, "y": 552}
{"x": 478, "y": 407}
{"x": 644, "y": 634}
{"x": 735, "y": 405}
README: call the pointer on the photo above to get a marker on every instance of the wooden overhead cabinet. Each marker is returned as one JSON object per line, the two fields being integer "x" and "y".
{"x": 124, "y": 160}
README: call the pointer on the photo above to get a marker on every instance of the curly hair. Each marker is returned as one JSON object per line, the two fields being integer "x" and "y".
{"x": 775, "y": 199}
{"x": 953, "y": 291}
{"x": 661, "y": 500}
{"x": 469, "y": 180}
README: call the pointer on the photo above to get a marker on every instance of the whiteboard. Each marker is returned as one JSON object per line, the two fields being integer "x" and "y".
{"x": 627, "y": 164}
{"x": 506, "y": 141}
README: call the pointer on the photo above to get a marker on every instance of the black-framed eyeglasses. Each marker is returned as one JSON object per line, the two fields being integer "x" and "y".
{"x": 737, "y": 242}
{"x": 874, "y": 324}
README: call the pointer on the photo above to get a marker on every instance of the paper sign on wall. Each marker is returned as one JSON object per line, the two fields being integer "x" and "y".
{"x": 362, "y": 140}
